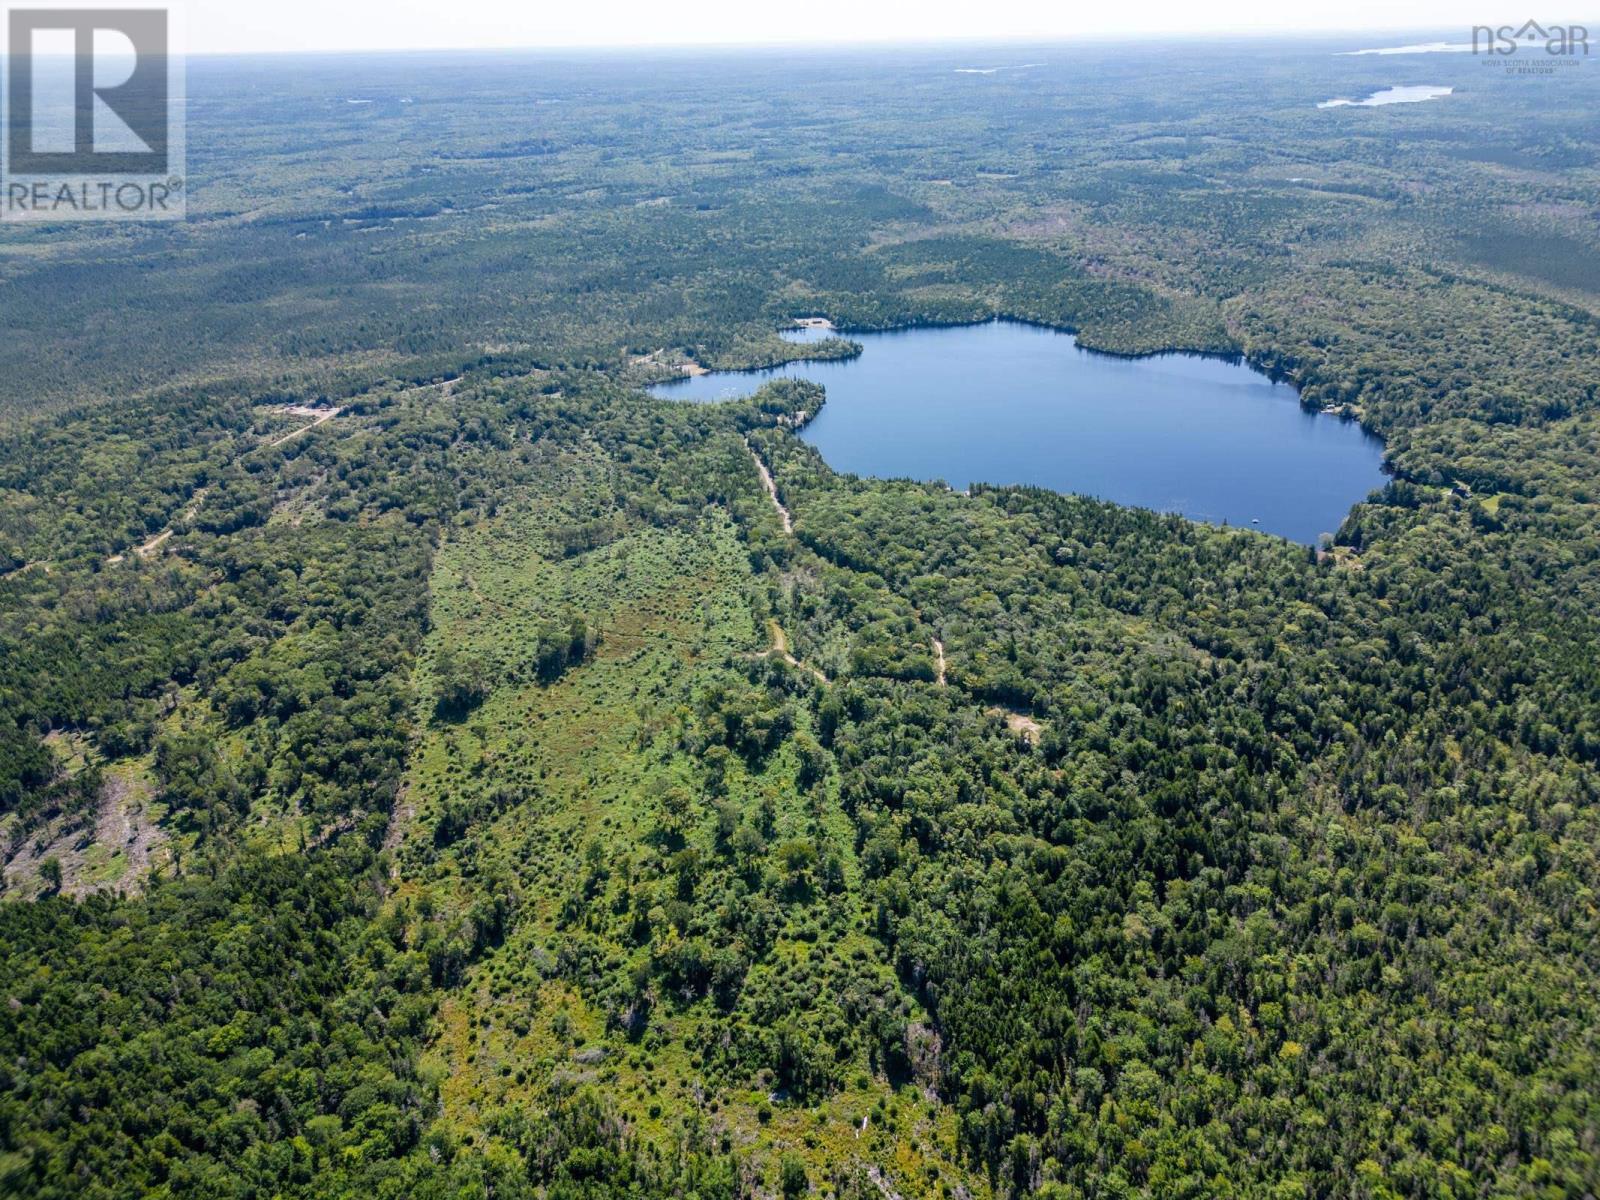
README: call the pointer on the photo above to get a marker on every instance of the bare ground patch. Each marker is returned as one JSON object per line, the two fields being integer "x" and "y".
{"x": 114, "y": 847}
{"x": 1024, "y": 726}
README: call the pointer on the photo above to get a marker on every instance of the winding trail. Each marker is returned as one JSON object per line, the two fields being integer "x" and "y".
{"x": 780, "y": 649}
{"x": 780, "y": 640}
{"x": 318, "y": 416}
{"x": 148, "y": 548}
{"x": 772, "y": 488}
{"x": 154, "y": 544}
{"x": 1025, "y": 727}
{"x": 294, "y": 433}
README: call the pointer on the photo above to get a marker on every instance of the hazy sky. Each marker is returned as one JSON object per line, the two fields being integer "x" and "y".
{"x": 255, "y": 25}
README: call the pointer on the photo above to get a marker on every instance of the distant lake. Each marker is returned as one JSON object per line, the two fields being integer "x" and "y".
{"x": 1007, "y": 403}
{"x": 1413, "y": 94}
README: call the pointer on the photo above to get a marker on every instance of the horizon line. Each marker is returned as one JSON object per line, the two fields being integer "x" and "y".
{"x": 954, "y": 41}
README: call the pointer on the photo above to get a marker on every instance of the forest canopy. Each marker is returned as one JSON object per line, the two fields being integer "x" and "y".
{"x": 430, "y": 766}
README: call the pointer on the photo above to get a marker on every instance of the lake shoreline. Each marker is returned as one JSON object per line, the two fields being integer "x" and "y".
{"x": 1231, "y": 357}
{"x": 1004, "y": 401}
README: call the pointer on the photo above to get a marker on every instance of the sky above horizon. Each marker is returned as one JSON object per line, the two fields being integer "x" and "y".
{"x": 232, "y": 26}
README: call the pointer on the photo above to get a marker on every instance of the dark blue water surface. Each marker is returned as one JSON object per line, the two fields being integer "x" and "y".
{"x": 1010, "y": 403}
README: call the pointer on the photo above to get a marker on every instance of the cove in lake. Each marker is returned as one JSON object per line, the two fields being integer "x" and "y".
{"x": 1007, "y": 403}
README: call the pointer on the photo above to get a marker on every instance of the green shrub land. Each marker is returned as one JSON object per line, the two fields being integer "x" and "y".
{"x": 480, "y": 793}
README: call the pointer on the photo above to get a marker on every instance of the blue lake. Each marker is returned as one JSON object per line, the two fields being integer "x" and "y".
{"x": 1006, "y": 403}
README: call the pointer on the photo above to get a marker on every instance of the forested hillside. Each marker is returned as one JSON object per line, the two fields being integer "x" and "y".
{"x": 431, "y": 767}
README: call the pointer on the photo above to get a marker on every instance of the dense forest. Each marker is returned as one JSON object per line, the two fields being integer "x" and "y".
{"x": 432, "y": 767}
